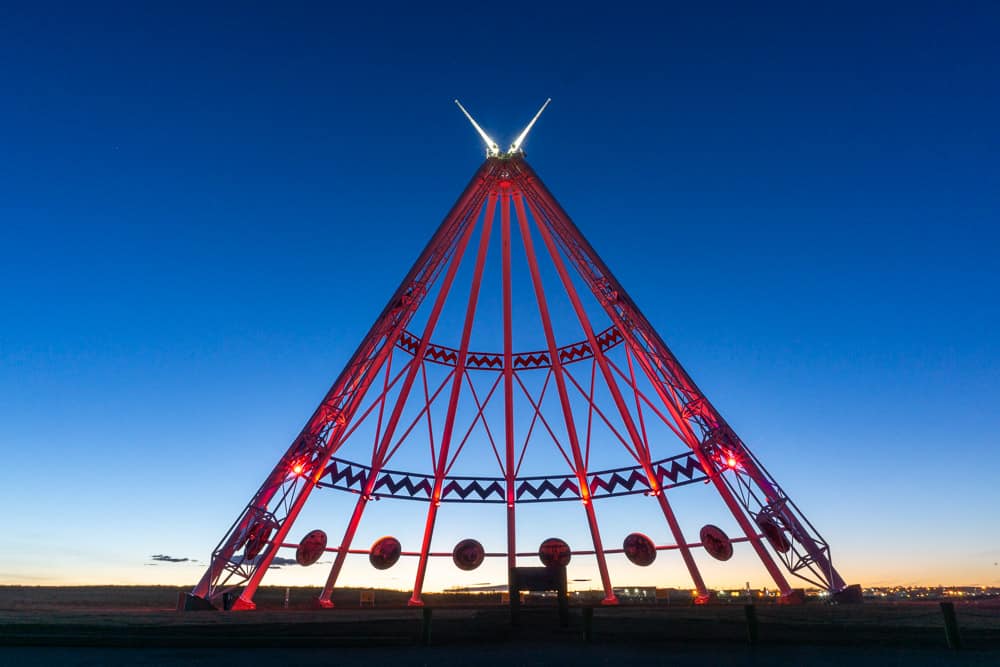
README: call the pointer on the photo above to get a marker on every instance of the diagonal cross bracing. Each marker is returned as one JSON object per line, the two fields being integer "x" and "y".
{"x": 715, "y": 453}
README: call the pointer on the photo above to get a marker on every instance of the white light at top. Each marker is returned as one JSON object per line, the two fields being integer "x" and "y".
{"x": 516, "y": 146}
{"x": 492, "y": 149}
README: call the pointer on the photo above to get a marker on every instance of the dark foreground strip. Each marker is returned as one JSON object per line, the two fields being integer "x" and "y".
{"x": 604, "y": 626}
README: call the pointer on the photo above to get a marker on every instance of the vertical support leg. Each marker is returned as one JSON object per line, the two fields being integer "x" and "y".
{"x": 675, "y": 530}
{"x": 345, "y": 545}
{"x": 321, "y": 436}
{"x": 397, "y": 410}
{"x": 637, "y": 440}
{"x": 557, "y": 371}
{"x": 441, "y": 465}
{"x": 510, "y": 462}
{"x": 714, "y": 474}
{"x": 711, "y": 470}
{"x": 570, "y": 237}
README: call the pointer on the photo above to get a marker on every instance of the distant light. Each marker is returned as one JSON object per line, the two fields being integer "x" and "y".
{"x": 297, "y": 468}
{"x": 731, "y": 461}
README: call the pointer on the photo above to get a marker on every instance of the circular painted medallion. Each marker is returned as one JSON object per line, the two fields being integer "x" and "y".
{"x": 639, "y": 549}
{"x": 385, "y": 552}
{"x": 554, "y": 552}
{"x": 716, "y": 542}
{"x": 468, "y": 554}
{"x": 311, "y": 548}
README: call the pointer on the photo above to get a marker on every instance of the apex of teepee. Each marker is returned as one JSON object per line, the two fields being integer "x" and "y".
{"x": 492, "y": 148}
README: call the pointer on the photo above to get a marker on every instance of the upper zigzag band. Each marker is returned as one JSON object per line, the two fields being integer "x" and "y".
{"x": 670, "y": 472}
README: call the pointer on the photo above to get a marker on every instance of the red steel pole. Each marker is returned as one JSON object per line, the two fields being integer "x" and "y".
{"x": 565, "y": 228}
{"x": 341, "y": 401}
{"x": 637, "y": 440}
{"x": 397, "y": 410}
{"x": 580, "y": 466}
{"x": 698, "y": 406}
{"x": 456, "y": 390}
{"x": 510, "y": 465}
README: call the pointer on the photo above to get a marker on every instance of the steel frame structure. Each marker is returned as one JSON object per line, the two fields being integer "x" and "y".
{"x": 771, "y": 523}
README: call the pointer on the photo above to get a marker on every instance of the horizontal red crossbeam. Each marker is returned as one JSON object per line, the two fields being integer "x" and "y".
{"x": 523, "y": 554}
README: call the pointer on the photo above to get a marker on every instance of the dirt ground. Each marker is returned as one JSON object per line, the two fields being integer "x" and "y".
{"x": 138, "y": 625}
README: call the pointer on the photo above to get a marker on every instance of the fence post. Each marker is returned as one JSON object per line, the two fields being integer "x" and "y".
{"x": 514, "y": 597}
{"x": 950, "y": 625}
{"x": 753, "y": 627}
{"x": 425, "y": 626}
{"x": 563, "y": 601}
{"x": 588, "y": 624}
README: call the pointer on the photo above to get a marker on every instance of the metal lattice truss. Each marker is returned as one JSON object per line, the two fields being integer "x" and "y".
{"x": 621, "y": 378}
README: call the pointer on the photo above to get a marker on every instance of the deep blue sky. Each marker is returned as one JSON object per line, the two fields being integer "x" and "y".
{"x": 202, "y": 209}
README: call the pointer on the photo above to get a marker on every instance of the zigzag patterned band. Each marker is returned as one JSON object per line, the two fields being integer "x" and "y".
{"x": 671, "y": 472}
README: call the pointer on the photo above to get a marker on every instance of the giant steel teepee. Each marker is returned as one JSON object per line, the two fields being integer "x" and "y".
{"x": 608, "y": 404}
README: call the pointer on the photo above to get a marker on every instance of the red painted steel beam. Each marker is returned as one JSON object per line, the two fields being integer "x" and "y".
{"x": 580, "y": 468}
{"x": 637, "y": 441}
{"x": 510, "y": 468}
{"x": 441, "y": 465}
{"x": 320, "y": 437}
{"x": 679, "y": 382}
{"x": 570, "y": 236}
{"x": 378, "y": 458}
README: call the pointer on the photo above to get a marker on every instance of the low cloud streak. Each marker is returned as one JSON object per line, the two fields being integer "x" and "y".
{"x": 163, "y": 558}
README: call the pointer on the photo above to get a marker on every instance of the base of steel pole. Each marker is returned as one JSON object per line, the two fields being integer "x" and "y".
{"x": 794, "y": 596}
{"x": 241, "y": 604}
{"x": 849, "y": 595}
{"x": 189, "y": 602}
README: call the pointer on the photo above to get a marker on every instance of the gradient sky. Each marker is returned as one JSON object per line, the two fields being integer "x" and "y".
{"x": 202, "y": 210}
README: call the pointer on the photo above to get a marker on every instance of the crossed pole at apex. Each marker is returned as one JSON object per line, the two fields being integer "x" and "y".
{"x": 492, "y": 148}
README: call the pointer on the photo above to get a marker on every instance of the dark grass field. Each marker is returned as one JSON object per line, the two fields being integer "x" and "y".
{"x": 138, "y": 625}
